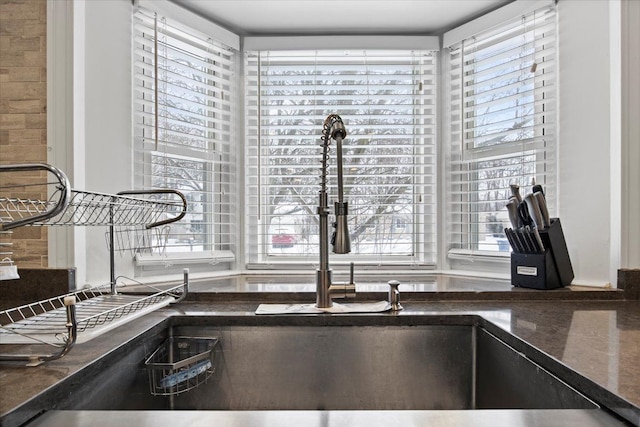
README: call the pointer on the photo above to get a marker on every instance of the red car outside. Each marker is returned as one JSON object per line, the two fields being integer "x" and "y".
{"x": 283, "y": 240}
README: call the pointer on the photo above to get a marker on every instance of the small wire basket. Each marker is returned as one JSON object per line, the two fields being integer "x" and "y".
{"x": 180, "y": 364}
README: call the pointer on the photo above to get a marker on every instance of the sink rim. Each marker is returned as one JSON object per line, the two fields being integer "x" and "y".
{"x": 168, "y": 317}
{"x": 476, "y": 418}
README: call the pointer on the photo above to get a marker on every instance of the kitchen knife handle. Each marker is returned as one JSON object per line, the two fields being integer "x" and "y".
{"x": 526, "y": 245}
{"x": 521, "y": 247}
{"x": 534, "y": 211}
{"x": 512, "y": 208}
{"x": 515, "y": 192}
{"x": 536, "y": 234}
{"x": 533, "y": 244}
{"x": 517, "y": 245}
{"x": 508, "y": 232}
{"x": 542, "y": 204}
{"x": 523, "y": 215}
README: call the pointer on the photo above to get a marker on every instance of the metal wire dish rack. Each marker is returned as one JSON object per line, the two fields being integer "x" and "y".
{"x": 82, "y": 315}
{"x": 180, "y": 364}
{"x": 97, "y": 311}
{"x": 66, "y": 206}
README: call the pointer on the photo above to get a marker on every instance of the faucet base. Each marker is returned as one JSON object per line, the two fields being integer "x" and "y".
{"x": 325, "y": 290}
{"x": 323, "y": 293}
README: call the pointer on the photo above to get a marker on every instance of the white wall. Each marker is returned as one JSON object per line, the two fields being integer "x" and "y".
{"x": 584, "y": 136}
{"x": 599, "y": 199}
{"x": 585, "y": 175}
{"x": 106, "y": 98}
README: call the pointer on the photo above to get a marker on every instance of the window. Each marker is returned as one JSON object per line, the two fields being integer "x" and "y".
{"x": 387, "y": 102}
{"x": 184, "y": 95}
{"x": 502, "y": 126}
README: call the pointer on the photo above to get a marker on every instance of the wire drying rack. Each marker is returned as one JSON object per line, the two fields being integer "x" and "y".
{"x": 97, "y": 311}
{"x": 72, "y": 207}
{"x": 80, "y": 316}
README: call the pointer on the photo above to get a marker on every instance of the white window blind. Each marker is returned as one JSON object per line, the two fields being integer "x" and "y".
{"x": 387, "y": 100}
{"x": 184, "y": 98}
{"x": 502, "y": 126}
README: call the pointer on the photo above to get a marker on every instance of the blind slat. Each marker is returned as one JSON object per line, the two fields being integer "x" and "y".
{"x": 183, "y": 130}
{"x": 387, "y": 101}
{"x": 502, "y": 127}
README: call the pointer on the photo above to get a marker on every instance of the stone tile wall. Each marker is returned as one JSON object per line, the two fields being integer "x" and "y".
{"x": 23, "y": 115}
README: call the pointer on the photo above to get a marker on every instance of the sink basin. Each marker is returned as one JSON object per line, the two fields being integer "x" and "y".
{"x": 341, "y": 363}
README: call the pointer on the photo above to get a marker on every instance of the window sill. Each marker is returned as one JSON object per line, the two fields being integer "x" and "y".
{"x": 435, "y": 286}
{"x": 471, "y": 255}
{"x": 186, "y": 258}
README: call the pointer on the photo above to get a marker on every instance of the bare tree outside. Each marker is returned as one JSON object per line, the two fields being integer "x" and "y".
{"x": 501, "y": 129}
{"x": 183, "y": 94}
{"x": 382, "y": 106}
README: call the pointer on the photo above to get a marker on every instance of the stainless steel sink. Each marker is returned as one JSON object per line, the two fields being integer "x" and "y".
{"x": 310, "y": 366}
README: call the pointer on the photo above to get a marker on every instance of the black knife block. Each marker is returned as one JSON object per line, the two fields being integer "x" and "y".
{"x": 549, "y": 270}
{"x": 536, "y": 271}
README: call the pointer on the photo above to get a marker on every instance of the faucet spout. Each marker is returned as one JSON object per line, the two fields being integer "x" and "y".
{"x": 333, "y": 128}
{"x": 340, "y": 241}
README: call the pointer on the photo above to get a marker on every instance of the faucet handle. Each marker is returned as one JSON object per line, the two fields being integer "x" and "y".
{"x": 352, "y": 268}
{"x": 394, "y": 295}
{"x": 344, "y": 290}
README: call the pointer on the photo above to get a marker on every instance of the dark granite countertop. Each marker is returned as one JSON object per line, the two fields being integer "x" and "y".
{"x": 597, "y": 342}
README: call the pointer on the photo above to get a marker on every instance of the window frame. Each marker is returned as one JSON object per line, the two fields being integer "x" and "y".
{"x": 539, "y": 149}
{"x": 264, "y": 260}
{"x": 441, "y": 213}
{"x": 216, "y": 111}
